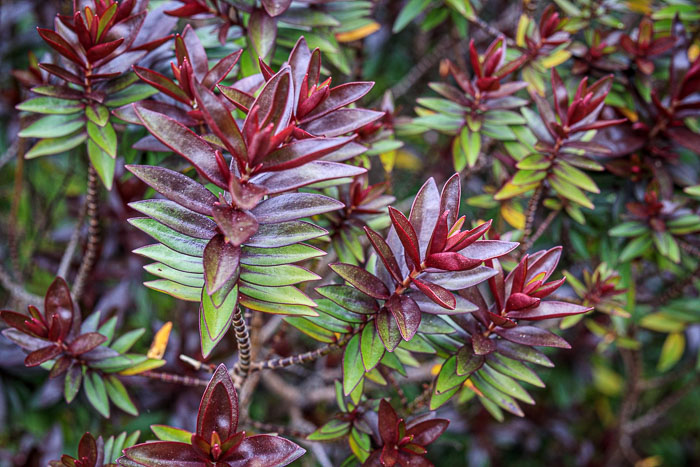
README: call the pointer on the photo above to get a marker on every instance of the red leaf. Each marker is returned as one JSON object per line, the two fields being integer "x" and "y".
{"x": 100, "y": 51}
{"x": 530, "y": 335}
{"x": 408, "y": 237}
{"x": 451, "y": 261}
{"x": 17, "y": 321}
{"x": 60, "y": 45}
{"x": 520, "y": 301}
{"x": 87, "y": 448}
{"x": 86, "y": 342}
{"x": 298, "y": 153}
{"x": 264, "y": 450}
{"x": 427, "y": 431}
{"x": 219, "y": 71}
{"x": 58, "y": 305}
{"x": 162, "y": 83}
{"x": 439, "y": 295}
{"x": 238, "y": 226}
{"x": 221, "y": 263}
{"x": 340, "y": 96}
{"x": 406, "y": 313}
{"x": 42, "y": 355}
{"x": 362, "y": 280}
{"x": 341, "y": 121}
{"x": 218, "y": 410}
{"x": 385, "y": 254}
{"x": 549, "y": 310}
{"x": 164, "y": 454}
{"x": 388, "y": 423}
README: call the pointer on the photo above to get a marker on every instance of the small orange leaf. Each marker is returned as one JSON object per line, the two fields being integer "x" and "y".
{"x": 359, "y": 33}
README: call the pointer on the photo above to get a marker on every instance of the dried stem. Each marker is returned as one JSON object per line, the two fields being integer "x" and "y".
{"x": 527, "y": 244}
{"x": 174, "y": 379}
{"x": 651, "y": 417}
{"x": 278, "y": 429}
{"x": 88, "y": 261}
{"x": 72, "y": 245}
{"x": 240, "y": 329}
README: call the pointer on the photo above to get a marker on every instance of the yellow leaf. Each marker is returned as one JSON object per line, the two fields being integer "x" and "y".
{"x": 629, "y": 113}
{"x": 693, "y": 52}
{"x": 523, "y": 23}
{"x": 407, "y": 160}
{"x": 468, "y": 384}
{"x": 513, "y": 214}
{"x": 359, "y": 33}
{"x": 148, "y": 365}
{"x": 435, "y": 370}
{"x": 388, "y": 160}
{"x": 160, "y": 341}
{"x": 556, "y": 59}
{"x": 639, "y": 6}
{"x": 653, "y": 461}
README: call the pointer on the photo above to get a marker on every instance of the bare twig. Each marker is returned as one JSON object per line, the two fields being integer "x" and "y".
{"x": 240, "y": 329}
{"x": 72, "y": 244}
{"x": 299, "y": 359}
{"x": 527, "y": 244}
{"x": 17, "y": 291}
{"x": 278, "y": 429}
{"x": 88, "y": 261}
{"x": 175, "y": 379}
{"x": 651, "y": 417}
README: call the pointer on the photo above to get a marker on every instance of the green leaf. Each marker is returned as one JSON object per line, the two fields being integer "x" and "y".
{"x": 103, "y": 136}
{"x": 311, "y": 329}
{"x": 289, "y": 295}
{"x": 169, "y": 237}
{"x": 97, "y": 113}
{"x": 277, "y": 308}
{"x": 165, "y": 255}
{"x": 371, "y": 346}
{"x": 50, "y": 146}
{"x": 504, "y": 401}
{"x": 570, "y": 191}
{"x": 190, "y": 294}
{"x": 635, "y": 248}
{"x": 628, "y": 229}
{"x": 514, "y": 369}
{"x": 275, "y": 276}
{"x": 215, "y": 321}
{"x": 672, "y": 351}
{"x": 412, "y": 9}
{"x": 459, "y": 157}
{"x": 51, "y": 105}
{"x": 96, "y": 392}
{"x": 349, "y": 298}
{"x": 505, "y": 384}
{"x": 438, "y": 399}
{"x": 169, "y": 433}
{"x": 166, "y": 272}
{"x": 534, "y": 162}
{"x": 133, "y": 93}
{"x": 353, "y": 369}
{"x": 448, "y": 377}
{"x": 332, "y": 430}
{"x": 74, "y": 378}
{"x": 662, "y": 322}
{"x": 118, "y": 395}
{"x": 123, "y": 343}
{"x": 103, "y": 163}
{"x": 576, "y": 177}
{"x": 53, "y": 126}
{"x": 277, "y": 256}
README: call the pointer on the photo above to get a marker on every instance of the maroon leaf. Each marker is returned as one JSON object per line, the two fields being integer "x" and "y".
{"x": 87, "y": 448}
{"x": 439, "y": 295}
{"x": 218, "y": 410}
{"x": 301, "y": 152}
{"x": 196, "y": 53}
{"x": 264, "y": 450}
{"x": 311, "y": 172}
{"x": 274, "y": 104}
{"x": 340, "y": 96}
{"x": 58, "y": 307}
{"x": 362, "y": 280}
{"x": 262, "y": 32}
{"x": 482, "y": 345}
{"x": 162, "y": 83}
{"x": 100, "y": 51}
{"x": 185, "y": 142}
{"x": 408, "y": 237}
{"x": 86, "y": 342}
{"x": 547, "y": 310}
{"x": 425, "y": 212}
{"x": 530, "y": 335}
{"x": 164, "y": 454}
{"x": 426, "y": 432}
{"x": 17, "y": 321}
{"x": 292, "y": 206}
{"x": 238, "y": 226}
{"x": 451, "y": 261}
{"x": 219, "y": 71}
{"x": 406, "y": 313}
{"x": 62, "y": 73}
{"x": 449, "y": 198}
{"x": 60, "y": 45}
{"x": 276, "y": 7}
{"x": 341, "y": 121}
{"x": 221, "y": 260}
{"x": 247, "y": 195}
{"x": 388, "y": 423}
{"x": 176, "y": 187}
{"x": 42, "y": 355}
{"x": 385, "y": 254}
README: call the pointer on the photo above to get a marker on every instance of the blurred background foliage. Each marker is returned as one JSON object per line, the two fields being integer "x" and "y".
{"x": 650, "y": 327}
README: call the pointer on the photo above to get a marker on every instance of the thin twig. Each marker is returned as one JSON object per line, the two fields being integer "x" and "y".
{"x": 540, "y": 230}
{"x": 72, "y": 245}
{"x": 275, "y": 363}
{"x": 420, "y": 401}
{"x": 17, "y": 291}
{"x": 474, "y": 19}
{"x": 90, "y": 255}
{"x": 651, "y": 417}
{"x": 530, "y": 214}
{"x": 278, "y": 429}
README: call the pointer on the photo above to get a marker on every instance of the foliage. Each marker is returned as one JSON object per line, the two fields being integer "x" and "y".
{"x": 266, "y": 161}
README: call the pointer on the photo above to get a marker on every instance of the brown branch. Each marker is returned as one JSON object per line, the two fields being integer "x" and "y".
{"x": 72, "y": 245}
{"x": 240, "y": 329}
{"x": 651, "y": 417}
{"x": 88, "y": 261}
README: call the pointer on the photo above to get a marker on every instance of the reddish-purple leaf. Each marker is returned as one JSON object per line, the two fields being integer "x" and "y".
{"x": 543, "y": 261}
{"x": 62, "y": 73}
{"x": 292, "y": 206}
{"x": 58, "y": 305}
{"x": 164, "y": 454}
{"x": 439, "y": 295}
{"x": 221, "y": 260}
{"x": 547, "y": 310}
{"x": 426, "y": 432}
{"x": 262, "y": 32}
{"x": 310, "y": 172}
{"x": 302, "y": 152}
{"x": 176, "y": 187}
{"x": 274, "y": 104}
{"x": 451, "y": 261}
{"x": 339, "y": 96}
{"x": 388, "y": 423}
{"x": 388, "y": 329}
{"x": 219, "y": 71}
{"x": 185, "y": 142}
{"x": 60, "y": 45}
{"x": 425, "y": 212}
{"x": 87, "y": 448}
{"x": 467, "y": 362}
{"x": 482, "y": 345}
{"x": 162, "y": 83}
{"x": 195, "y": 52}
{"x": 408, "y": 237}
{"x": 385, "y": 254}
{"x": 449, "y": 198}
{"x": 406, "y": 313}
{"x": 218, "y": 410}
{"x": 362, "y": 280}
{"x": 341, "y": 121}
{"x": 264, "y": 450}
{"x": 530, "y": 335}
{"x": 238, "y": 226}
{"x": 276, "y": 7}
{"x": 42, "y": 355}
{"x": 86, "y": 342}
{"x": 100, "y": 51}
{"x": 16, "y": 320}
